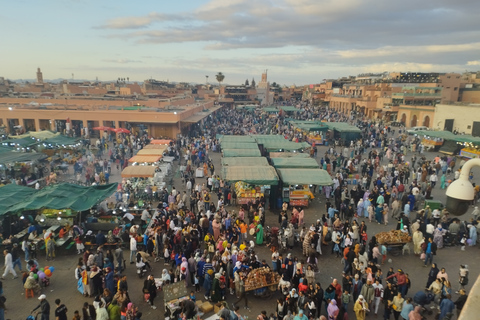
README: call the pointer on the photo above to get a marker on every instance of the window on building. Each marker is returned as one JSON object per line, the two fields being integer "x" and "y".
{"x": 455, "y": 89}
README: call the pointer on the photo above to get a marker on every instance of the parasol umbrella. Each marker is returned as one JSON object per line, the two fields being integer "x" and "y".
{"x": 121, "y": 130}
{"x": 102, "y": 128}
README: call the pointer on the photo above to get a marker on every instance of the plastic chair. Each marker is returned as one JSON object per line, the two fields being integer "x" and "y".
{"x": 28, "y": 293}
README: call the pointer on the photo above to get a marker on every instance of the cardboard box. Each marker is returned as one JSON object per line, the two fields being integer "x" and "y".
{"x": 216, "y": 307}
{"x": 198, "y": 303}
{"x": 206, "y": 307}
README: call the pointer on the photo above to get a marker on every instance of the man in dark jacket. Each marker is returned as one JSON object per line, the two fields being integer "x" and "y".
{"x": 44, "y": 308}
{"x": 461, "y": 301}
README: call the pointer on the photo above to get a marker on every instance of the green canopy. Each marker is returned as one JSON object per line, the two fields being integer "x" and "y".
{"x": 244, "y": 161}
{"x": 41, "y": 135}
{"x": 61, "y": 140}
{"x": 4, "y": 149}
{"x": 289, "y": 108}
{"x": 263, "y": 138}
{"x": 289, "y": 155}
{"x": 342, "y": 127}
{"x": 241, "y": 153}
{"x": 317, "y": 177}
{"x": 284, "y": 145}
{"x": 22, "y": 142}
{"x": 59, "y": 196}
{"x": 14, "y": 156}
{"x": 446, "y": 135}
{"x": 239, "y": 145}
{"x": 252, "y": 175}
{"x": 309, "y": 125}
{"x": 270, "y": 109}
{"x": 295, "y": 163}
{"x": 245, "y": 139}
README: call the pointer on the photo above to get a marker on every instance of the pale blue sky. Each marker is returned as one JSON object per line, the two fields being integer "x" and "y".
{"x": 298, "y": 41}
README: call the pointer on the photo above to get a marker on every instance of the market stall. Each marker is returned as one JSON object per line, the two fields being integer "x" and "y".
{"x": 138, "y": 172}
{"x": 252, "y": 182}
{"x": 394, "y": 240}
{"x": 156, "y": 146}
{"x": 151, "y": 152}
{"x": 245, "y": 161}
{"x": 161, "y": 141}
{"x": 263, "y": 281}
{"x": 173, "y": 294}
{"x": 295, "y": 163}
{"x": 241, "y": 153}
{"x": 239, "y": 145}
{"x": 288, "y": 155}
{"x": 296, "y": 184}
{"x": 343, "y": 132}
{"x": 247, "y": 139}
{"x": 144, "y": 159}
{"x": 312, "y": 131}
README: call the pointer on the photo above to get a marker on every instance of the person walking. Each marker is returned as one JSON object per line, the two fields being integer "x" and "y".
{"x": 44, "y": 307}
{"x": 8, "y": 265}
{"x": 60, "y": 311}
{"x": 133, "y": 248}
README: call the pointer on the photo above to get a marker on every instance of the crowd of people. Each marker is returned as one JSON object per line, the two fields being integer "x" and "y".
{"x": 204, "y": 241}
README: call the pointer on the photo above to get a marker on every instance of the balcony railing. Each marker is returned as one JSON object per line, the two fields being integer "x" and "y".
{"x": 346, "y": 95}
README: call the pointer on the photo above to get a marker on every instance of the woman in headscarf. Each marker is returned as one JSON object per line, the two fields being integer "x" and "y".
{"x": 473, "y": 235}
{"x": 90, "y": 260}
{"x": 438, "y": 234}
{"x": 109, "y": 282}
{"x": 31, "y": 283}
{"x": 417, "y": 241}
{"x": 332, "y": 309}
{"x": 185, "y": 270}
{"x": 96, "y": 281}
{"x": 259, "y": 230}
{"x": 216, "y": 225}
{"x": 360, "y": 308}
{"x": 165, "y": 277}
{"x": 432, "y": 275}
{"x": 216, "y": 290}
{"x": 131, "y": 311}
{"x": 360, "y": 208}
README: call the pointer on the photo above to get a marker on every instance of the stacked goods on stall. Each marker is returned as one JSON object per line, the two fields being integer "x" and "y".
{"x": 261, "y": 277}
{"x": 393, "y": 237}
{"x": 247, "y": 193}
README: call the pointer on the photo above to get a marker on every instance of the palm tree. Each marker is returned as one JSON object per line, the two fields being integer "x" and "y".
{"x": 220, "y": 76}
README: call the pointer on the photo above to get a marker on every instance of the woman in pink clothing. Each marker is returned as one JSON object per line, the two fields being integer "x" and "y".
{"x": 216, "y": 228}
{"x": 301, "y": 216}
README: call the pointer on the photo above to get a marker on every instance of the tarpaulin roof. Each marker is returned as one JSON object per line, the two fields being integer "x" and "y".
{"x": 447, "y": 135}
{"x": 138, "y": 172}
{"x": 270, "y": 109}
{"x": 4, "y": 149}
{"x": 244, "y": 139}
{"x": 289, "y": 155}
{"x": 252, "y": 175}
{"x": 61, "y": 140}
{"x": 260, "y": 138}
{"x": 160, "y": 141}
{"x": 156, "y": 146}
{"x": 144, "y": 158}
{"x": 317, "y": 177}
{"x": 289, "y": 108}
{"x": 42, "y": 135}
{"x": 309, "y": 125}
{"x": 15, "y": 198}
{"x": 23, "y": 142}
{"x": 150, "y": 152}
{"x": 241, "y": 153}
{"x": 295, "y": 163}
{"x": 244, "y": 161}
{"x": 284, "y": 145}
{"x": 239, "y": 145}
{"x": 12, "y": 157}
{"x": 342, "y": 127}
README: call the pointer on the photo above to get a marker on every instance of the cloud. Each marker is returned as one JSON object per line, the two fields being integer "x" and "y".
{"x": 122, "y": 61}
{"x": 473, "y": 63}
{"x": 140, "y": 22}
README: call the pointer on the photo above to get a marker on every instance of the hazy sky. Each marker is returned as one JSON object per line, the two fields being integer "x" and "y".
{"x": 298, "y": 41}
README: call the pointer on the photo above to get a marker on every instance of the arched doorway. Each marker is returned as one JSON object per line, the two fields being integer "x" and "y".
{"x": 426, "y": 121}
{"x": 404, "y": 119}
{"x": 413, "y": 123}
